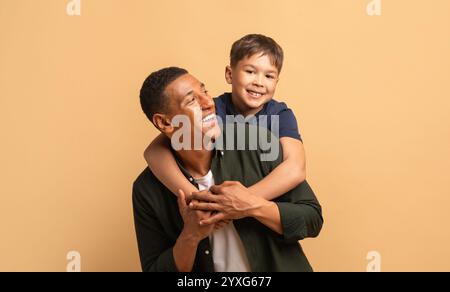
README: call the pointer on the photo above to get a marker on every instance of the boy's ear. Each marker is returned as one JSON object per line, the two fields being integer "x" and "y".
{"x": 163, "y": 123}
{"x": 229, "y": 74}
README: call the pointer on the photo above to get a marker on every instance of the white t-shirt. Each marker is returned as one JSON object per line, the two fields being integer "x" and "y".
{"x": 227, "y": 248}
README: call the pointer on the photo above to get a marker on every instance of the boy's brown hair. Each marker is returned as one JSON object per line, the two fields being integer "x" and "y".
{"x": 253, "y": 44}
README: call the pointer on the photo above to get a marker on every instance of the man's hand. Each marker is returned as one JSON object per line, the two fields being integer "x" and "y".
{"x": 231, "y": 200}
{"x": 192, "y": 218}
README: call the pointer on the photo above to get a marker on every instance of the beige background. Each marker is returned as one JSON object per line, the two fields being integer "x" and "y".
{"x": 371, "y": 95}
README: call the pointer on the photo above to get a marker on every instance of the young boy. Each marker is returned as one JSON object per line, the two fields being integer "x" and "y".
{"x": 255, "y": 65}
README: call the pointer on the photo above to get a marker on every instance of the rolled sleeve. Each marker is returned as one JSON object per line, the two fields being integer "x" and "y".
{"x": 300, "y": 213}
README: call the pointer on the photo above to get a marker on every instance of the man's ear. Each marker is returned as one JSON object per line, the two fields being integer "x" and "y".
{"x": 163, "y": 123}
{"x": 229, "y": 74}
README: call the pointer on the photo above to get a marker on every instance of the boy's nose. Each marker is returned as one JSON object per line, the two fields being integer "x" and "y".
{"x": 258, "y": 81}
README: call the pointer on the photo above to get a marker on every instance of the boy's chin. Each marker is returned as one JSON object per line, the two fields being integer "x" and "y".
{"x": 254, "y": 105}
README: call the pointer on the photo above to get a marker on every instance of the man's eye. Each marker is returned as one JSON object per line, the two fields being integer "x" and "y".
{"x": 250, "y": 72}
{"x": 270, "y": 77}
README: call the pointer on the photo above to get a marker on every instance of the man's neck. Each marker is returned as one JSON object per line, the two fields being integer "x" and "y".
{"x": 196, "y": 162}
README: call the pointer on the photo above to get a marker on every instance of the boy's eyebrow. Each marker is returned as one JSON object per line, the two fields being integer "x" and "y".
{"x": 268, "y": 72}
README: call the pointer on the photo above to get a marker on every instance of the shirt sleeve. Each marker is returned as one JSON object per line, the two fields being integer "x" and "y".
{"x": 155, "y": 250}
{"x": 300, "y": 210}
{"x": 301, "y": 214}
{"x": 288, "y": 124}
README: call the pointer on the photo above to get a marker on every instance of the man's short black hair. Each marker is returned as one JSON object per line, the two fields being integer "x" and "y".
{"x": 153, "y": 99}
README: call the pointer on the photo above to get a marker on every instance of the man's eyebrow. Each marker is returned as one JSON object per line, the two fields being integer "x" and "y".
{"x": 191, "y": 92}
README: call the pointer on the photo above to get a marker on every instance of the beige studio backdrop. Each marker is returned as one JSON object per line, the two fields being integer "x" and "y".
{"x": 371, "y": 94}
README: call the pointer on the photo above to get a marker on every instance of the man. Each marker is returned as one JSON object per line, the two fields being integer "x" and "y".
{"x": 176, "y": 236}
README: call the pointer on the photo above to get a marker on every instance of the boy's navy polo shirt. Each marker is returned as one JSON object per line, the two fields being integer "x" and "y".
{"x": 288, "y": 122}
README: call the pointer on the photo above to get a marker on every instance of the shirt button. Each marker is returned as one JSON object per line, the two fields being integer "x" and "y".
{"x": 191, "y": 179}
{"x": 222, "y": 153}
{"x": 207, "y": 252}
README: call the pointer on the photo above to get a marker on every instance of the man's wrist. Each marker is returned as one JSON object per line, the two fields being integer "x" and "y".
{"x": 189, "y": 239}
{"x": 261, "y": 210}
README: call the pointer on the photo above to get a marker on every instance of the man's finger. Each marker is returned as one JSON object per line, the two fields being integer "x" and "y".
{"x": 204, "y": 192}
{"x": 216, "y": 189}
{"x": 199, "y": 193}
{"x": 220, "y": 225}
{"x": 208, "y": 197}
{"x": 205, "y": 206}
{"x": 213, "y": 219}
{"x": 228, "y": 183}
{"x": 181, "y": 200}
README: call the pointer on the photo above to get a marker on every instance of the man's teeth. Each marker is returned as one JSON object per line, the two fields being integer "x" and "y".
{"x": 209, "y": 118}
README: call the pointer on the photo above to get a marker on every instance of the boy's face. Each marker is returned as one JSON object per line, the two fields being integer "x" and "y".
{"x": 254, "y": 80}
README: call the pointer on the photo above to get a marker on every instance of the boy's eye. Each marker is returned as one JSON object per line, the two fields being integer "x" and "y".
{"x": 250, "y": 71}
{"x": 270, "y": 77}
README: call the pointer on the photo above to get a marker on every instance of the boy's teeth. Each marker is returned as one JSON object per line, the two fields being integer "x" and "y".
{"x": 256, "y": 94}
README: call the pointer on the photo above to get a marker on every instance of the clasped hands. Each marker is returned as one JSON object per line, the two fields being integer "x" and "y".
{"x": 222, "y": 204}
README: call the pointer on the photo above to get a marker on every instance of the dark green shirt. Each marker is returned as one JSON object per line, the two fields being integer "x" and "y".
{"x": 158, "y": 221}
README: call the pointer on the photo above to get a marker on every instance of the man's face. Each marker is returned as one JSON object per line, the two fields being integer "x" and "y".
{"x": 188, "y": 97}
{"x": 254, "y": 80}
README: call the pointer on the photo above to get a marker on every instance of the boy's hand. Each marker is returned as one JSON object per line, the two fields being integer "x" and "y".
{"x": 231, "y": 200}
{"x": 192, "y": 202}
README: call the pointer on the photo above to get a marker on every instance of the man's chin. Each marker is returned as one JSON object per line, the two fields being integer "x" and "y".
{"x": 212, "y": 133}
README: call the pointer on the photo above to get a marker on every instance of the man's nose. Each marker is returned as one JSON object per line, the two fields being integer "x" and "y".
{"x": 206, "y": 101}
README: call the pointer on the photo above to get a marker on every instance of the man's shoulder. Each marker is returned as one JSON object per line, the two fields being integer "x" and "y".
{"x": 147, "y": 187}
{"x": 144, "y": 178}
